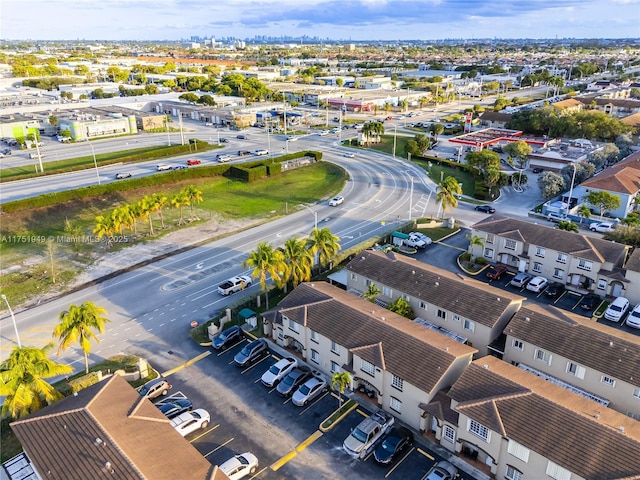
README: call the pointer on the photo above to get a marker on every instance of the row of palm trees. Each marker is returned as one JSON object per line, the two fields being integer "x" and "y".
{"x": 127, "y": 216}
{"x": 23, "y": 375}
{"x": 292, "y": 263}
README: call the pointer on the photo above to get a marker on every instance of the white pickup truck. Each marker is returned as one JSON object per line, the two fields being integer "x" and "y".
{"x": 234, "y": 285}
{"x": 364, "y": 437}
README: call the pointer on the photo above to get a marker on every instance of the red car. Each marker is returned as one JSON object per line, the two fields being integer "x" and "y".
{"x": 496, "y": 272}
{"x": 194, "y": 161}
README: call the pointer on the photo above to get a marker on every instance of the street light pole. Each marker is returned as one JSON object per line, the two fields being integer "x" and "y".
{"x": 315, "y": 215}
{"x": 95, "y": 162}
{"x": 394, "y": 141}
{"x": 15, "y": 327}
{"x": 411, "y": 199}
{"x": 571, "y": 189}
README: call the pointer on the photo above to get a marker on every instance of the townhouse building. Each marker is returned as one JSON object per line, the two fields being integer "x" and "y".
{"x": 632, "y": 274}
{"x": 588, "y": 358}
{"x": 524, "y": 427}
{"x": 465, "y": 309}
{"x": 581, "y": 262}
{"x": 401, "y": 363}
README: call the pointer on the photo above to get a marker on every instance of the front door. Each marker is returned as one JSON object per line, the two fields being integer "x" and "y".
{"x": 616, "y": 290}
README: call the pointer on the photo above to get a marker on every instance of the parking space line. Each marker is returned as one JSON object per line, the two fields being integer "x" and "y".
{"x": 283, "y": 460}
{"x": 313, "y": 403}
{"x": 254, "y": 365}
{"x": 204, "y": 433}
{"x": 219, "y": 447}
{"x": 364, "y": 414}
{"x": 308, "y": 441}
{"x": 430, "y": 457}
{"x": 399, "y": 462}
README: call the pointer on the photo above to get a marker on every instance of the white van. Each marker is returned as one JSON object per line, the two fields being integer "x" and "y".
{"x": 617, "y": 309}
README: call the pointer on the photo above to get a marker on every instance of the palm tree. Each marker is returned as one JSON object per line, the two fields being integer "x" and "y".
{"x": 372, "y": 292}
{"x": 265, "y": 260}
{"x": 491, "y": 178}
{"x": 136, "y": 214}
{"x": 323, "y": 243}
{"x": 104, "y": 228}
{"x": 78, "y": 324}
{"x": 179, "y": 200}
{"x": 22, "y": 380}
{"x": 193, "y": 197}
{"x": 567, "y": 225}
{"x": 146, "y": 206}
{"x": 339, "y": 382}
{"x": 298, "y": 261}
{"x": 436, "y": 129}
{"x": 584, "y": 212}
{"x": 402, "y": 307}
{"x": 161, "y": 202}
{"x": 475, "y": 241}
{"x": 446, "y": 193}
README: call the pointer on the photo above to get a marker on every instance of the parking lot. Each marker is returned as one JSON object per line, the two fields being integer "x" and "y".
{"x": 246, "y": 416}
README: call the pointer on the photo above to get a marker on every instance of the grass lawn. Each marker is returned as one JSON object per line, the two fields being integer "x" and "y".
{"x": 438, "y": 172}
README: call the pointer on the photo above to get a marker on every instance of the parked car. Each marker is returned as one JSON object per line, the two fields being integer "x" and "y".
{"x": 367, "y": 433}
{"x": 520, "y": 280}
{"x": 556, "y": 217}
{"x": 230, "y": 336}
{"x": 189, "y": 422}
{"x": 163, "y": 167}
{"x": 485, "y": 208}
{"x": 154, "y": 388}
{"x": 537, "y": 170}
{"x": 633, "y": 320}
{"x": 308, "y": 391}
{"x": 616, "y": 309}
{"x": 175, "y": 407}
{"x": 335, "y": 201}
{"x": 421, "y": 236}
{"x": 590, "y": 301}
{"x": 194, "y": 161}
{"x": 234, "y": 284}
{"x": 442, "y": 471}
{"x": 495, "y": 272}
{"x": 251, "y": 352}
{"x": 121, "y": 175}
{"x": 555, "y": 290}
{"x": 602, "y": 227}
{"x": 278, "y": 371}
{"x": 239, "y": 466}
{"x": 260, "y": 152}
{"x": 293, "y": 380}
{"x": 392, "y": 444}
{"x": 414, "y": 242}
{"x": 537, "y": 284}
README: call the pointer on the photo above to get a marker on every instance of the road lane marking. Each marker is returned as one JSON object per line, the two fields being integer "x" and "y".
{"x": 399, "y": 462}
{"x": 204, "y": 433}
{"x": 361, "y": 412}
{"x": 219, "y": 447}
{"x": 430, "y": 457}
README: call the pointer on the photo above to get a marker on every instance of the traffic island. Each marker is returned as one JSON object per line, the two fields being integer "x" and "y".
{"x": 333, "y": 419}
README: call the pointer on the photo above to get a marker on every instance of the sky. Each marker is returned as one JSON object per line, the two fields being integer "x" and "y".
{"x": 334, "y": 19}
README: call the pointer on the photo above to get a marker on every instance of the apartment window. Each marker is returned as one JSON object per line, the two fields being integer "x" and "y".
{"x": 518, "y": 345}
{"x": 456, "y": 318}
{"x": 397, "y": 382}
{"x": 488, "y": 252}
{"x": 406, "y": 297}
{"x": 469, "y": 325}
{"x": 387, "y": 292}
{"x": 562, "y": 258}
{"x": 354, "y": 276}
{"x": 449, "y": 433}
{"x": 584, "y": 265}
{"x": 367, "y": 367}
{"x": 558, "y": 273}
{"x": 602, "y": 284}
{"x": 539, "y": 252}
{"x": 490, "y": 237}
{"x": 335, "y": 368}
{"x": 315, "y": 356}
{"x": 367, "y": 282}
{"x": 608, "y": 381}
{"x": 395, "y": 404}
{"x": 543, "y": 356}
{"x": 636, "y": 393}
{"x": 423, "y": 306}
{"x": 478, "y": 429}
{"x": 518, "y": 451}
{"x": 314, "y": 336}
{"x": 537, "y": 267}
{"x": 575, "y": 370}
{"x": 513, "y": 474}
{"x": 510, "y": 244}
{"x": 294, "y": 326}
{"x": 335, "y": 348}
{"x": 556, "y": 471}
{"x": 442, "y": 314}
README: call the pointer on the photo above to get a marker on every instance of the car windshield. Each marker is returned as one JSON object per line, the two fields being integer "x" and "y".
{"x": 616, "y": 308}
{"x": 304, "y": 389}
{"x": 144, "y": 390}
{"x": 274, "y": 369}
{"x": 288, "y": 380}
{"x": 359, "y": 435}
{"x": 245, "y": 351}
{"x": 390, "y": 444}
{"x": 242, "y": 460}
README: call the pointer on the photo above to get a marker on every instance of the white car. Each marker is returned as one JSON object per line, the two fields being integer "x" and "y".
{"x": 537, "y": 284}
{"x": 189, "y": 422}
{"x": 278, "y": 371}
{"x": 616, "y": 309}
{"x": 335, "y": 201}
{"x": 239, "y": 466}
{"x": 349, "y": 155}
{"x": 162, "y": 167}
{"x": 292, "y": 138}
{"x": 633, "y": 320}
{"x": 602, "y": 227}
{"x": 323, "y": 133}
{"x": 261, "y": 152}
{"x": 308, "y": 391}
{"x": 421, "y": 236}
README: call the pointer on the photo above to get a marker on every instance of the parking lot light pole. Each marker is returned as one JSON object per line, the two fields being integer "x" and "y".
{"x": 95, "y": 162}
{"x": 13, "y": 318}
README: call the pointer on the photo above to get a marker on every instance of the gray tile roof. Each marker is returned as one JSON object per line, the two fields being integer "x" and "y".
{"x": 417, "y": 355}
{"x": 576, "y": 244}
{"x": 610, "y": 351}
{"x": 108, "y": 427}
{"x": 582, "y": 436}
{"x": 633, "y": 263}
{"x": 466, "y": 297}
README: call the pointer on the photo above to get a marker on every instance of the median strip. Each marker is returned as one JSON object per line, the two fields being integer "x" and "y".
{"x": 312, "y": 438}
{"x": 301, "y": 446}
{"x": 186, "y": 364}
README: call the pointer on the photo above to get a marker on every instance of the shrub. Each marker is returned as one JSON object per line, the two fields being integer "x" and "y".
{"x": 481, "y": 261}
{"x": 465, "y": 257}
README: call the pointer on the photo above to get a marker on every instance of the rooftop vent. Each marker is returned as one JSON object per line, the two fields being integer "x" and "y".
{"x": 611, "y": 344}
{"x": 437, "y": 284}
{"x": 485, "y": 366}
{"x": 621, "y": 428}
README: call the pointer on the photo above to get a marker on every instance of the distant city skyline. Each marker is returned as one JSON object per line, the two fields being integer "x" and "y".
{"x": 356, "y": 20}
